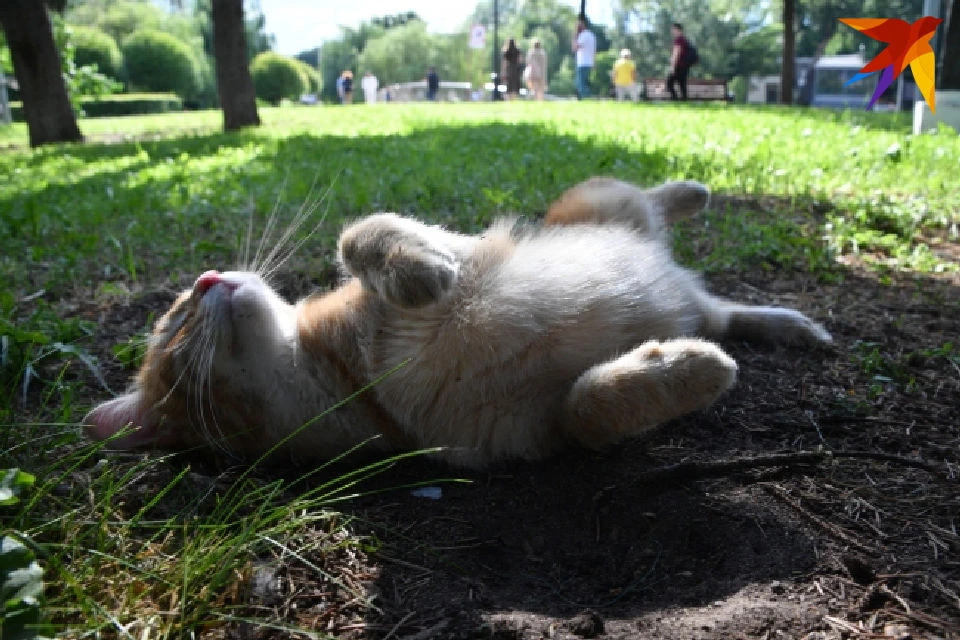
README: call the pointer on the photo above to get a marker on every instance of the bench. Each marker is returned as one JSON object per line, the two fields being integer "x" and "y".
{"x": 697, "y": 89}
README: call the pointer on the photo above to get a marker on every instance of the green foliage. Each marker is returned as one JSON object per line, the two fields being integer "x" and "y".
{"x": 21, "y": 577}
{"x": 312, "y": 76}
{"x": 95, "y": 47}
{"x": 21, "y": 590}
{"x": 276, "y": 77}
{"x": 81, "y": 81}
{"x": 335, "y": 56}
{"x": 12, "y": 484}
{"x": 118, "y": 19}
{"x": 601, "y": 82}
{"x": 157, "y": 61}
{"x": 402, "y": 54}
{"x": 564, "y": 82}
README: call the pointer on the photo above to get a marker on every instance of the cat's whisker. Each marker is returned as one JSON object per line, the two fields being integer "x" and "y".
{"x": 268, "y": 228}
{"x": 215, "y": 436}
{"x": 204, "y": 384}
{"x": 280, "y": 252}
{"x": 244, "y": 252}
{"x": 268, "y": 273}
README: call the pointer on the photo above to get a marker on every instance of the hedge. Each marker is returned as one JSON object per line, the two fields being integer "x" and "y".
{"x": 119, "y": 105}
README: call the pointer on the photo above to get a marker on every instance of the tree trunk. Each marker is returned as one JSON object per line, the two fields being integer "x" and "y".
{"x": 234, "y": 84}
{"x": 36, "y": 63}
{"x": 788, "y": 69}
{"x": 949, "y": 77}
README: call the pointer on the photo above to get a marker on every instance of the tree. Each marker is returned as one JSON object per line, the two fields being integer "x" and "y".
{"x": 46, "y": 105}
{"x": 234, "y": 84}
{"x": 949, "y": 78}
{"x": 787, "y": 75}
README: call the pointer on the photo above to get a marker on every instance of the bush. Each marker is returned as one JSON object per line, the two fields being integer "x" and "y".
{"x": 157, "y": 61}
{"x": 314, "y": 81}
{"x": 276, "y": 77}
{"x": 93, "y": 46}
{"x": 601, "y": 84}
{"x": 127, "y": 104}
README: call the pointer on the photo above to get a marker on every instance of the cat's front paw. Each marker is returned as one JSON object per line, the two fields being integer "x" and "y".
{"x": 415, "y": 274}
{"x": 398, "y": 259}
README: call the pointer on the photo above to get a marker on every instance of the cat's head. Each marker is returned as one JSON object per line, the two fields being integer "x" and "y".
{"x": 205, "y": 374}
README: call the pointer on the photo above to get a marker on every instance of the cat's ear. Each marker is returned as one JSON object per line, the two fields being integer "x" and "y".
{"x": 108, "y": 419}
{"x": 678, "y": 200}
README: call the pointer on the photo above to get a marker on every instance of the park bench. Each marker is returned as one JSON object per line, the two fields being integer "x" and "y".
{"x": 697, "y": 89}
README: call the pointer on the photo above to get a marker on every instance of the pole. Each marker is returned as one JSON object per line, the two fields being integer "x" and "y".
{"x": 496, "y": 52}
{"x": 5, "y": 116}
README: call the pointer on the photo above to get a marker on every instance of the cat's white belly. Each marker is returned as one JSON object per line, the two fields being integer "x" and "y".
{"x": 488, "y": 368}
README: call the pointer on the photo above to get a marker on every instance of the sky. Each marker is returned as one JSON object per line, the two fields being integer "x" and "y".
{"x": 303, "y": 24}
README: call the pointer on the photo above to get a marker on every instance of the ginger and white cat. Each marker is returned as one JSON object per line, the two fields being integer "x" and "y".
{"x": 510, "y": 344}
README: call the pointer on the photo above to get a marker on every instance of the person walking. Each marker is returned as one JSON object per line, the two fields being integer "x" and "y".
{"x": 510, "y": 68}
{"x": 536, "y": 71}
{"x": 433, "y": 84}
{"x": 369, "y": 85}
{"x": 679, "y": 62}
{"x": 347, "y": 87}
{"x": 625, "y": 77}
{"x": 585, "y": 49}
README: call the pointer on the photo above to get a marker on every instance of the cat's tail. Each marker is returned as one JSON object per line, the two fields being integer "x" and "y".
{"x": 723, "y": 319}
{"x": 611, "y": 201}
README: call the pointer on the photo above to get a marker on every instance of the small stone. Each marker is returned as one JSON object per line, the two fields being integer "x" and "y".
{"x": 586, "y": 624}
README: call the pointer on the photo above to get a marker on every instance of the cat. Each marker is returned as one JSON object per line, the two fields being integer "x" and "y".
{"x": 510, "y": 344}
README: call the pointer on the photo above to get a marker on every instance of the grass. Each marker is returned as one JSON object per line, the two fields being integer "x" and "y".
{"x": 139, "y": 547}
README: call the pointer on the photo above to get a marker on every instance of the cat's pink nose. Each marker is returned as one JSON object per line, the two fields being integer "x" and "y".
{"x": 207, "y": 280}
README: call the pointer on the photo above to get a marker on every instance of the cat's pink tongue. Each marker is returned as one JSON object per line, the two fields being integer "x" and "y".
{"x": 207, "y": 280}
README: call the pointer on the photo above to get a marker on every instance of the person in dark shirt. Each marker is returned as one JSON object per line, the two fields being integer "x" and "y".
{"x": 511, "y": 68}
{"x": 347, "y": 87}
{"x": 433, "y": 84}
{"x": 679, "y": 67}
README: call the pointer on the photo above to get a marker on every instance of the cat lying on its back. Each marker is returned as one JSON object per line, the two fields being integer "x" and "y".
{"x": 504, "y": 345}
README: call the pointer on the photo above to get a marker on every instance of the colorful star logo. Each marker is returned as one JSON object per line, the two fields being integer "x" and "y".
{"x": 909, "y": 44}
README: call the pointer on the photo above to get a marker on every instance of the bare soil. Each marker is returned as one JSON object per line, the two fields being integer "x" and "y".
{"x": 586, "y": 545}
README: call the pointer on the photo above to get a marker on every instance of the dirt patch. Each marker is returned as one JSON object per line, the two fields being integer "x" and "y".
{"x": 579, "y": 546}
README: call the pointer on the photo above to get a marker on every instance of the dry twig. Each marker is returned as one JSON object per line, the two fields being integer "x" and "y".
{"x": 689, "y": 471}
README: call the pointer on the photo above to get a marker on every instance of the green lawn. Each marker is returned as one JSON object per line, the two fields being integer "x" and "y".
{"x": 156, "y": 200}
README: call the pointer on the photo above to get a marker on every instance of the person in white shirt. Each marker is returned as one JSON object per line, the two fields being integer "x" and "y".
{"x": 369, "y": 85}
{"x": 585, "y": 48}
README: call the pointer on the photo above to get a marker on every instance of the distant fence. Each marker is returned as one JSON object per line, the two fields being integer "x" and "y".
{"x": 417, "y": 91}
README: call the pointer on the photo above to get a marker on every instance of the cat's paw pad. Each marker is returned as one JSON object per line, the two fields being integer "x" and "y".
{"x": 693, "y": 368}
{"x": 418, "y": 275}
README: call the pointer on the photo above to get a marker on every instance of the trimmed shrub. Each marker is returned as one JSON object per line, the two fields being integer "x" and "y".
{"x": 276, "y": 77}
{"x": 126, "y": 104}
{"x": 93, "y": 46}
{"x": 314, "y": 81}
{"x": 157, "y": 61}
